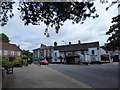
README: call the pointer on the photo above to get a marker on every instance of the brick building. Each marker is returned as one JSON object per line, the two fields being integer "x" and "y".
{"x": 10, "y": 50}
{"x": 44, "y": 52}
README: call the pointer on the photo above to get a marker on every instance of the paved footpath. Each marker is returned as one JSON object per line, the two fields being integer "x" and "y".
{"x": 35, "y": 76}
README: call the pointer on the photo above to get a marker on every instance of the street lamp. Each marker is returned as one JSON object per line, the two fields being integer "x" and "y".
{"x": 65, "y": 50}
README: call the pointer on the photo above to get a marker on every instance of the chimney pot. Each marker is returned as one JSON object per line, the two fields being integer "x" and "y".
{"x": 79, "y": 42}
{"x": 69, "y": 43}
{"x": 55, "y": 43}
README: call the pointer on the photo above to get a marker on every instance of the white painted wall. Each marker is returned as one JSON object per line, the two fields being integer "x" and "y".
{"x": 44, "y": 52}
{"x": 88, "y": 58}
{"x": 55, "y": 58}
{"x": 90, "y": 51}
{"x": 83, "y": 58}
{"x": 101, "y": 52}
{"x": 38, "y": 53}
{"x": 94, "y": 56}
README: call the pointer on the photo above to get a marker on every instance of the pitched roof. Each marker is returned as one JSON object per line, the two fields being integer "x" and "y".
{"x": 77, "y": 47}
{"x": 8, "y": 46}
{"x": 46, "y": 47}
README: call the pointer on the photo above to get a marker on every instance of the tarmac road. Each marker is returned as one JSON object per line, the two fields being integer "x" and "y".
{"x": 96, "y": 76}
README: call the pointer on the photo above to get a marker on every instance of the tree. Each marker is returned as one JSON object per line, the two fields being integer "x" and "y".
{"x": 26, "y": 52}
{"x": 114, "y": 32}
{"x": 5, "y": 12}
{"x": 52, "y": 14}
{"x": 4, "y": 38}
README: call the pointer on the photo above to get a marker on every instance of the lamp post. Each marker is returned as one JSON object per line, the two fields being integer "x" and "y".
{"x": 65, "y": 50}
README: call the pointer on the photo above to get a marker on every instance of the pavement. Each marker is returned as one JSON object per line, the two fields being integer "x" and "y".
{"x": 35, "y": 76}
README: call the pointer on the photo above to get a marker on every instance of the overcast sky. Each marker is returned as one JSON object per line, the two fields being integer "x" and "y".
{"x": 30, "y": 37}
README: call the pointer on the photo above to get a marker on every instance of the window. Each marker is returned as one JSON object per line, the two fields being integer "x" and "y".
{"x": 55, "y": 54}
{"x": 18, "y": 53}
{"x": 12, "y": 53}
{"x": 82, "y": 52}
{"x": 93, "y": 52}
{"x": 5, "y": 52}
{"x": 0, "y": 52}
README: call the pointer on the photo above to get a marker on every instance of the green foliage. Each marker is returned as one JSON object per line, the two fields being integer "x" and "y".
{"x": 52, "y": 14}
{"x": 6, "y": 9}
{"x": 25, "y": 52}
{"x": 114, "y": 32}
{"x": 4, "y": 38}
{"x": 5, "y": 61}
{"x": 24, "y": 57}
{"x": 25, "y": 62}
{"x": 17, "y": 62}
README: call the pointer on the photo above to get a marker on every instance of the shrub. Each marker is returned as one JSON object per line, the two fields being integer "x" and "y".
{"x": 25, "y": 62}
{"x": 24, "y": 57}
{"x": 17, "y": 62}
{"x": 5, "y": 61}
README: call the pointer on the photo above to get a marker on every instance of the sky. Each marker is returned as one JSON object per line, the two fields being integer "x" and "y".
{"x": 31, "y": 37}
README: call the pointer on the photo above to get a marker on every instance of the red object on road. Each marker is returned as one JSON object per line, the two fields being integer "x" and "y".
{"x": 44, "y": 62}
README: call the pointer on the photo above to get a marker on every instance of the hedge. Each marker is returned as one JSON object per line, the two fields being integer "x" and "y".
{"x": 16, "y": 62}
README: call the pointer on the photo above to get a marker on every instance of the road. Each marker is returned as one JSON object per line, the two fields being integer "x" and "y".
{"x": 64, "y": 76}
{"x": 96, "y": 76}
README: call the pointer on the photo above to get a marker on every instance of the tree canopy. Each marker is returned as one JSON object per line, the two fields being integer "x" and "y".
{"x": 52, "y": 14}
{"x": 114, "y": 32}
{"x": 4, "y": 38}
{"x": 113, "y": 42}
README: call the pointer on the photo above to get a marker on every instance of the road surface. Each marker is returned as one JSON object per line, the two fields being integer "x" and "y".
{"x": 96, "y": 76}
{"x": 64, "y": 76}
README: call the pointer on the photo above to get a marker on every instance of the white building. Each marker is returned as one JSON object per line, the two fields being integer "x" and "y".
{"x": 75, "y": 53}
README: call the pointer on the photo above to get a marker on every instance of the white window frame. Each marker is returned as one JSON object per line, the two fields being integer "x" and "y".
{"x": 5, "y": 52}
{"x": 18, "y": 53}
{"x": 12, "y": 53}
{"x": 0, "y": 52}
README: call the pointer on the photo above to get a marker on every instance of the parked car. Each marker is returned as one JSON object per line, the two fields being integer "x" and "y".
{"x": 35, "y": 61}
{"x": 44, "y": 62}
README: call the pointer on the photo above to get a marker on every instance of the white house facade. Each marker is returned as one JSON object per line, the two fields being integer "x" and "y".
{"x": 81, "y": 52}
{"x": 72, "y": 53}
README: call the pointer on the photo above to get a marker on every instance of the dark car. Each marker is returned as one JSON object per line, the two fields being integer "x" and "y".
{"x": 44, "y": 62}
{"x": 36, "y": 60}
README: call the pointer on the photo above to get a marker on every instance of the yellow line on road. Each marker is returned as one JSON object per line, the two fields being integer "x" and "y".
{"x": 70, "y": 78}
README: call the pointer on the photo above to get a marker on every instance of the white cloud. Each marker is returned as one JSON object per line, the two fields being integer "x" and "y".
{"x": 30, "y": 37}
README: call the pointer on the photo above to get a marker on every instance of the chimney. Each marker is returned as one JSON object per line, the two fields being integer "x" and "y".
{"x": 41, "y": 45}
{"x": 18, "y": 46}
{"x": 69, "y": 43}
{"x": 55, "y": 44}
{"x": 79, "y": 42}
